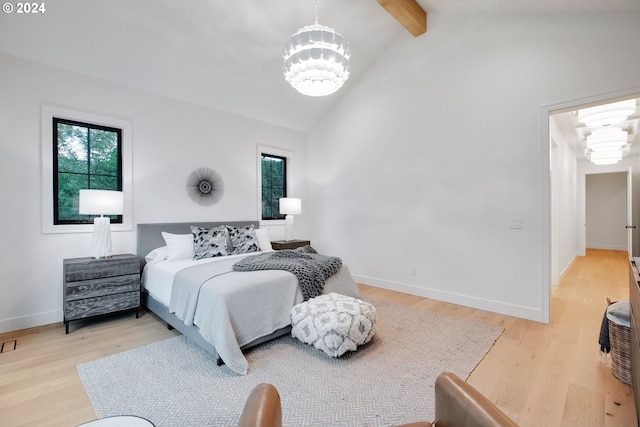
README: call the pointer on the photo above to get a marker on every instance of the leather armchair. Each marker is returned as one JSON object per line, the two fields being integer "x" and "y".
{"x": 263, "y": 408}
{"x": 460, "y": 405}
{"x": 457, "y": 405}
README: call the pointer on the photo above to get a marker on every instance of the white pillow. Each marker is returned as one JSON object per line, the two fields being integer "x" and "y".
{"x": 180, "y": 246}
{"x": 263, "y": 239}
{"x": 157, "y": 255}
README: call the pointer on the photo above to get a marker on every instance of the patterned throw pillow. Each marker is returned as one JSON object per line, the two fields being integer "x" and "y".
{"x": 209, "y": 242}
{"x": 243, "y": 239}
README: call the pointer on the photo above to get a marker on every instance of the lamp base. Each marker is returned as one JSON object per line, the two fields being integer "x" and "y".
{"x": 288, "y": 228}
{"x": 101, "y": 244}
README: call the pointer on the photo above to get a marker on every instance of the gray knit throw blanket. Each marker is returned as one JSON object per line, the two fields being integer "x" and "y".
{"x": 311, "y": 269}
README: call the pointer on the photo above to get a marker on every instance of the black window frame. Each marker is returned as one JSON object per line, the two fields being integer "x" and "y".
{"x": 284, "y": 159}
{"x": 88, "y": 219}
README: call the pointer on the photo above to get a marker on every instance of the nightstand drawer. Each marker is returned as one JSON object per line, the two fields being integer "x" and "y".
{"x": 89, "y": 307}
{"x": 88, "y": 268}
{"x": 100, "y": 287}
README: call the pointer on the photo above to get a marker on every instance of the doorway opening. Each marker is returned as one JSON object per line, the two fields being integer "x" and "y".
{"x": 564, "y": 184}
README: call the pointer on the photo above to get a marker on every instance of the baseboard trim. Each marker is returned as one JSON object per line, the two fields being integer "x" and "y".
{"x": 529, "y": 313}
{"x": 607, "y": 247}
{"x": 566, "y": 270}
{"x": 30, "y": 321}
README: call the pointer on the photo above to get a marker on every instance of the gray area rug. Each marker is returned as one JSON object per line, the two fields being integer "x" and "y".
{"x": 386, "y": 382}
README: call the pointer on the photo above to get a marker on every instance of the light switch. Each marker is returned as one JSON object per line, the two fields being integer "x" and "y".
{"x": 516, "y": 223}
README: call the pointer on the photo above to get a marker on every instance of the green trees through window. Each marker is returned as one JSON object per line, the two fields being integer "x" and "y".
{"x": 274, "y": 185}
{"x": 86, "y": 156}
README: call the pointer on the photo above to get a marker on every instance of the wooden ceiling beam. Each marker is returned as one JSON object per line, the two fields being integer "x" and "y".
{"x": 408, "y": 13}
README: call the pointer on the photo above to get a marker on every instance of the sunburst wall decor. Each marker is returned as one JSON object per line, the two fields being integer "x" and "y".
{"x": 205, "y": 186}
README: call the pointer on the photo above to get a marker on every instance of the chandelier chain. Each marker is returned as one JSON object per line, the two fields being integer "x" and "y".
{"x": 316, "y": 12}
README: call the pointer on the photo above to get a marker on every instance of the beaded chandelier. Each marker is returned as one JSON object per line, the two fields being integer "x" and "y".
{"x": 316, "y": 60}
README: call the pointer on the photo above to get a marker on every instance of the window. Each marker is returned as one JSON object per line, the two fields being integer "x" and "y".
{"x": 274, "y": 184}
{"x": 85, "y": 156}
{"x": 83, "y": 161}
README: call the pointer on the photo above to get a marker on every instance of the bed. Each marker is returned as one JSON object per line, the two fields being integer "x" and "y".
{"x": 227, "y": 312}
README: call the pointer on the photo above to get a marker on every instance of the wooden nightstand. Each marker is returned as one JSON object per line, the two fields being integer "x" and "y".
{"x": 291, "y": 244}
{"x": 93, "y": 287}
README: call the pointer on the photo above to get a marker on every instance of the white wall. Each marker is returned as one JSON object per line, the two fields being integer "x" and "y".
{"x": 171, "y": 138}
{"x": 565, "y": 204}
{"x": 606, "y": 211}
{"x": 426, "y": 159}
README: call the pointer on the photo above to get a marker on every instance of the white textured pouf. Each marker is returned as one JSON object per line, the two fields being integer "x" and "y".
{"x": 334, "y": 323}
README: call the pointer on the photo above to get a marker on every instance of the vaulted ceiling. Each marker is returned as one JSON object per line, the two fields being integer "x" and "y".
{"x": 227, "y": 54}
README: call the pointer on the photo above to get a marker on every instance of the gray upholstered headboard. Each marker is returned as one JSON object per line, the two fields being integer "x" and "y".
{"x": 149, "y": 236}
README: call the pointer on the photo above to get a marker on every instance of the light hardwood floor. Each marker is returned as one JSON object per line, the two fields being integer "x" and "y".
{"x": 541, "y": 375}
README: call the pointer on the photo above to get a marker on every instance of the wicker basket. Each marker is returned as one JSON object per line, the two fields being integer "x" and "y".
{"x": 620, "y": 339}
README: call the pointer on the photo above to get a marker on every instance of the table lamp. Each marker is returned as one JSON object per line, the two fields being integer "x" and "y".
{"x": 289, "y": 206}
{"x": 101, "y": 202}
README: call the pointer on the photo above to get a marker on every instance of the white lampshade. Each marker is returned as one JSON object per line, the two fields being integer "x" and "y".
{"x": 290, "y": 205}
{"x": 608, "y": 114}
{"x": 101, "y": 202}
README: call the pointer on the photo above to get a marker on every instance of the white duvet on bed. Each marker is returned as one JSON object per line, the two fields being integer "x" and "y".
{"x": 157, "y": 278}
{"x": 236, "y": 308}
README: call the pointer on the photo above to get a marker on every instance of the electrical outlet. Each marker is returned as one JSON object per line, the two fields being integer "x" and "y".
{"x": 515, "y": 223}
{"x": 413, "y": 270}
